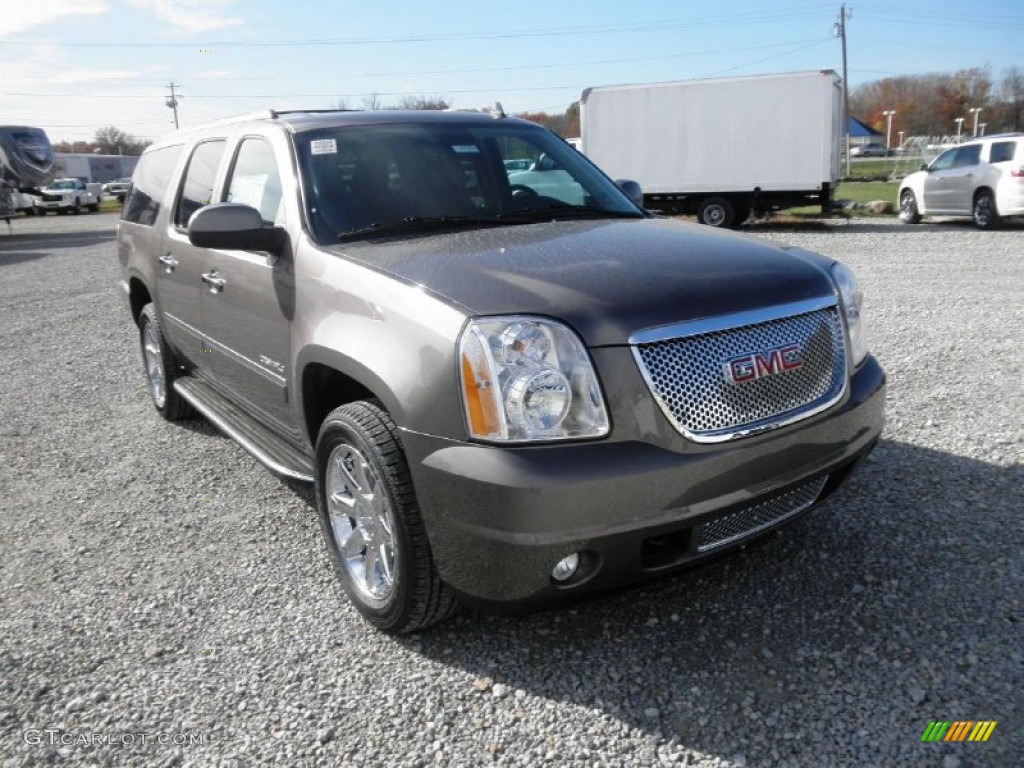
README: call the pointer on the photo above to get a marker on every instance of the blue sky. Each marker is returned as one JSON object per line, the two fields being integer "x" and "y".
{"x": 70, "y": 66}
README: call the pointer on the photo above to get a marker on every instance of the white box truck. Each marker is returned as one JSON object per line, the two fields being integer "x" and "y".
{"x": 720, "y": 148}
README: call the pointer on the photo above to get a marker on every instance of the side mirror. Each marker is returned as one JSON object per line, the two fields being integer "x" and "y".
{"x": 234, "y": 227}
{"x": 924, "y": 166}
{"x": 631, "y": 190}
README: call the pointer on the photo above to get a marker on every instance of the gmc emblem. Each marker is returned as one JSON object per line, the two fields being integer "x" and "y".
{"x": 758, "y": 365}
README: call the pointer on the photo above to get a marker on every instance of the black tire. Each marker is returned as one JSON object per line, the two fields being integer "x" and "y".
{"x": 908, "y": 208}
{"x": 716, "y": 212}
{"x": 160, "y": 363}
{"x": 359, "y": 455}
{"x": 984, "y": 211}
{"x": 94, "y": 207}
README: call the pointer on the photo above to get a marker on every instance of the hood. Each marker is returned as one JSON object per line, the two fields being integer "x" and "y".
{"x": 607, "y": 279}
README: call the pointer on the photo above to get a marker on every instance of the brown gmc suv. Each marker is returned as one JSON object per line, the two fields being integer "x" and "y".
{"x": 504, "y": 392}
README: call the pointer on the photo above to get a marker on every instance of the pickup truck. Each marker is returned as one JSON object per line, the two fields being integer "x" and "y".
{"x": 64, "y": 195}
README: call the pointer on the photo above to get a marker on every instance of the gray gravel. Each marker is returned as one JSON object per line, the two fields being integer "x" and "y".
{"x": 158, "y": 585}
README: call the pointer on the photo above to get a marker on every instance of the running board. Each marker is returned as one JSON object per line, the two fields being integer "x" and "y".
{"x": 278, "y": 455}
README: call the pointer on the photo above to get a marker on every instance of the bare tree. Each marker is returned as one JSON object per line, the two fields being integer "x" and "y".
{"x": 371, "y": 102}
{"x": 1012, "y": 92}
{"x": 424, "y": 102}
{"x": 113, "y": 141}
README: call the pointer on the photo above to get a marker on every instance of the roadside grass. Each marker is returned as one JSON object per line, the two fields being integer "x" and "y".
{"x": 858, "y": 192}
{"x": 108, "y": 206}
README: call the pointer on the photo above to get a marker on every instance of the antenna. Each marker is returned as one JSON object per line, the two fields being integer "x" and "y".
{"x": 499, "y": 111}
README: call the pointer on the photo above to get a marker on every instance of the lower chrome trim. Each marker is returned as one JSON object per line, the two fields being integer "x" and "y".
{"x": 224, "y": 427}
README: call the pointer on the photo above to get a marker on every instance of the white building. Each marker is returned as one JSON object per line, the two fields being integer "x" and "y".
{"x": 90, "y": 167}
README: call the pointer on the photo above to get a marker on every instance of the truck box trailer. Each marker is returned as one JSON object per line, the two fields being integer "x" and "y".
{"x": 720, "y": 148}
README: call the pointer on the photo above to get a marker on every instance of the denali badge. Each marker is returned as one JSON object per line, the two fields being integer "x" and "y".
{"x": 758, "y": 365}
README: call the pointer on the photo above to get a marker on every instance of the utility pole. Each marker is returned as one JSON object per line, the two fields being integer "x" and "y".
{"x": 839, "y": 30}
{"x": 172, "y": 102}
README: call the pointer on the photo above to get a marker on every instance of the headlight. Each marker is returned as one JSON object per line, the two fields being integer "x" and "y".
{"x": 852, "y": 300}
{"x": 528, "y": 378}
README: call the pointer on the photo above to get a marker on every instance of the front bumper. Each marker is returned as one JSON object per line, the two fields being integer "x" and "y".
{"x": 499, "y": 518}
{"x": 55, "y": 205}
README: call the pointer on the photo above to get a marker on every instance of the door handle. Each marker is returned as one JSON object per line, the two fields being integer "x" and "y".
{"x": 215, "y": 282}
{"x": 169, "y": 263}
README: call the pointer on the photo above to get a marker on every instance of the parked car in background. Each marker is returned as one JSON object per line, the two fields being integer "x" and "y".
{"x": 68, "y": 196}
{"x": 868, "y": 150}
{"x": 983, "y": 179}
{"x": 117, "y": 188}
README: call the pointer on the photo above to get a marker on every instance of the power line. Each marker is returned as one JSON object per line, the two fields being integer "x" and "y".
{"x": 767, "y": 58}
{"x": 719, "y": 20}
{"x": 478, "y": 70}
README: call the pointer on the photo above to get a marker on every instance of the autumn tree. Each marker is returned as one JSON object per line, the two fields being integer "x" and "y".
{"x": 1012, "y": 92}
{"x": 113, "y": 141}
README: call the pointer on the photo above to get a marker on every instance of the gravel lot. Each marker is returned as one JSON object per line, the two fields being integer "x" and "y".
{"x": 160, "y": 586}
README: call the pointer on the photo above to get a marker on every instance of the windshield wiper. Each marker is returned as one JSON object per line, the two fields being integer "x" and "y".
{"x": 413, "y": 223}
{"x": 527, "y": 215}
{"x": 569, "y": 211}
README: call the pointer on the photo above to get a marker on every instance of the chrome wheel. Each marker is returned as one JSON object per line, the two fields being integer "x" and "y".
{"x": 361, "y": 522}
{"x": 154, "y": 366}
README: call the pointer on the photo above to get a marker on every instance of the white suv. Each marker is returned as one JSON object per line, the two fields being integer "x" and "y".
{"x": 983, "y": 179}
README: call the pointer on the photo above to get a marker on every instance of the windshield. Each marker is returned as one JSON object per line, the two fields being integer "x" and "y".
{"x": 371, "y": 179}
{"x": 64, "y": 185}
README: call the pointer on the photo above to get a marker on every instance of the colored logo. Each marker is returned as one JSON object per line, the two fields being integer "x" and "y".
{"x": 958, "y": 730}
{"x": 758, "y": 365}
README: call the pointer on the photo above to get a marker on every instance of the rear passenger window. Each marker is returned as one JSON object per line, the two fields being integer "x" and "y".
{"x": 255, "y": 180}
{"x": 150, "y": 181}
{"x": 1002, "y": 151}
{"x": 200, "y": 177}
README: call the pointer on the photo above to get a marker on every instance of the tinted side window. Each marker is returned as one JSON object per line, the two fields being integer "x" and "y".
{"x": 1002, "y": 151}
{"x": 150, "y": 181}
{"x": 255, "y": 180}
{"x": 200, "y": 176}
{"x": 969, "y": 155}
{"x": 945, "y": 160}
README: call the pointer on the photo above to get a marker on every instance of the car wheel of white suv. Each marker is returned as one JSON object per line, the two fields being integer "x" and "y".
{"x": 908, "y": 208}
{"x": 984, "y": 211}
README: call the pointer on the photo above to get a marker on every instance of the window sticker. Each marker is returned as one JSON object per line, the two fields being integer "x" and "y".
{"x": 323, "y": 147}
{"x": 466, "y": 149}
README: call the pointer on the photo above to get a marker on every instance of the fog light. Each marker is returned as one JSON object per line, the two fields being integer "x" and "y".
{"x": 566, "y": 568}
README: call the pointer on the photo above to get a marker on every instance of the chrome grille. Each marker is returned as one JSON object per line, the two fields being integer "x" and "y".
{"x": 689, "y": 375}
{"x": 757, "y": 517}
